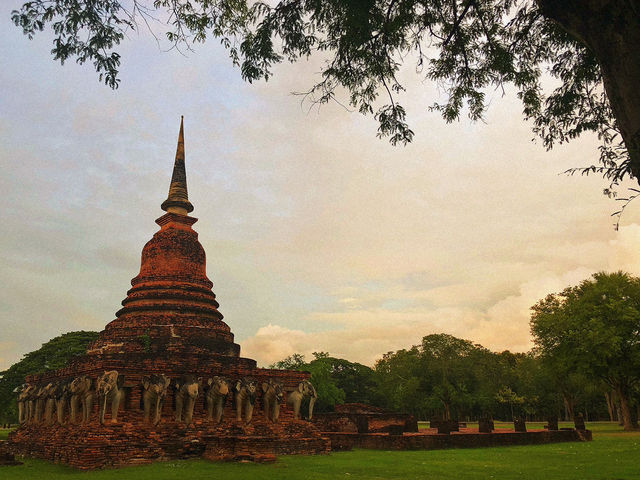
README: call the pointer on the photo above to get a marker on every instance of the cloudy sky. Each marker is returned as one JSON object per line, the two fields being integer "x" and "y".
{"x": 319, "y": 236}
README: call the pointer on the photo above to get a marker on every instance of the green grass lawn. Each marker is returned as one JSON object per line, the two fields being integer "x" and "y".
{"x": 613, "y": 455}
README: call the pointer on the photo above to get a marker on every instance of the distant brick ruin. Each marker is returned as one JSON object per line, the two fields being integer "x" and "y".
{"x": 361, "y": 418}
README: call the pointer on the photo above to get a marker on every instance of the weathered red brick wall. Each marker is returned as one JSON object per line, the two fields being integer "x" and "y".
{"x": 95, "y": 446}
{"x": 430, "y": 441}
{"x": 359, "y": 408}
{"x": 364, "y": 422}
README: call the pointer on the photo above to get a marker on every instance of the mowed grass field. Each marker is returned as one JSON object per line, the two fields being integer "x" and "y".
{"x": 612, "y": 455}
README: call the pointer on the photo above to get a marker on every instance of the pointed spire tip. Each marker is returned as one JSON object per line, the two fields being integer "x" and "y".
{"x": 178, "y": 199}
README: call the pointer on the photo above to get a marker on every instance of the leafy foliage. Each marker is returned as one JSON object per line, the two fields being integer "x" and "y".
{"x": 292, "y": 362}
{"x": 449, "y": 377}
{"x": 337, "y": 381}
{"x": 468, "y": 47}
{"x": 594, "y": 329}
{"x": 54, "y": 354}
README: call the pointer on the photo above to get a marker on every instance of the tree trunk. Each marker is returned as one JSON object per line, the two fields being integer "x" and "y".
{"x": 447, "y": 411}
{"x": 627, "y": 416}
{"x": 569, "y": 404}
{"x": 611, "y": 30}
{"x": 611, "y": 407}
{"x": 618, "y": 412}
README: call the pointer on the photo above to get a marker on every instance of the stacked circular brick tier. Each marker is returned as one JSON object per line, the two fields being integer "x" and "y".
{"x": 171, "y": 309}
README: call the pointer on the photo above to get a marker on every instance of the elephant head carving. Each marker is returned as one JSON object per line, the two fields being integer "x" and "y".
{"x": 272, "y": 395}
{"x": 187, "y": 391}
{"x": 81, "y": 389}
{"x": 245, "y": 393}
{"x": 109, "y": 389}
{"x": 155, "y": 389}
{"x": 216, "y": 396}
{"x": 305, "y": 389}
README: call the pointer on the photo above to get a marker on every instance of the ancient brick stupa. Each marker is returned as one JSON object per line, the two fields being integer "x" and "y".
{"x": 170, "y": 336}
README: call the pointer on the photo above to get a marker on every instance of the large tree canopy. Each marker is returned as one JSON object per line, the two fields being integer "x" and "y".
{"x": 469, "y": 47}
{"x": 594, "y": 329}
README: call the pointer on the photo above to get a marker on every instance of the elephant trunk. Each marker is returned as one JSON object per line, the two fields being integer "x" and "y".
{"x": 210, "y": 399}
{"x": 188, "y": 414}
{"x": 60, "y": 410}
{"x": 103, "y": 408}
{"x": 87, "y": 406}
{"x": 312, "y": 402}
{"x": 156, "y": 420}
{"x": 239, "y": 402}
{"x": 249, "y": 412}
{"x": 115, "y": 405}
{"x": 220, "y": 408}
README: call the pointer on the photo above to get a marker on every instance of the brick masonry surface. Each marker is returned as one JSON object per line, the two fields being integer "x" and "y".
{"x": 466, "y": 438}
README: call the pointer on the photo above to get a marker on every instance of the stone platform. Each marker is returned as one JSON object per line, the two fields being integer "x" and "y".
{"x": 430, "y": 439}
{"x": 362, "y": 418}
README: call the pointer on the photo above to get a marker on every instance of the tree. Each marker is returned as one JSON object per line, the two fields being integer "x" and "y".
{"x": 336, "y": 380}
{"x": 400, "y": 385}
{"x": 53, "y": 355}
{"x": 444, "y": 376}
{"x": 292, "y": 362}
{"x": 468, "y": 46}
{"x": 509, "y": 397}
{"x": 594, "y": 329}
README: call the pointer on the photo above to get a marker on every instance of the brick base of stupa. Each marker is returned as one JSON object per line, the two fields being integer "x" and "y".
{"x": 131, "y": 441}
{"x": 93, "y": 446}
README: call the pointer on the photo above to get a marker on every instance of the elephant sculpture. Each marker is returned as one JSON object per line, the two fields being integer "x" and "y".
{"x": 81, "y": 389}
{"x": 245, "y": 396}
{"x": 155, "y": 389}
{"x": 37, "y": 405}
{"x": 187, "y": 391}
{"x": 216, "y": 396}
{"x": 61, "y": 396}
{"x": 295, "y": 398}
{"x": 23, "y": 392}
{"x": 30, "y": 404}
{"x": 49, "y": 402}
{"x": 109, "y": 389}
{"x": 272, "y": 395}
{"x": 42, "y": 396}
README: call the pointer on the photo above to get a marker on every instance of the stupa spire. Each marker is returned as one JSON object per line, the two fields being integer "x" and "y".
{"x": 178, "y": 199}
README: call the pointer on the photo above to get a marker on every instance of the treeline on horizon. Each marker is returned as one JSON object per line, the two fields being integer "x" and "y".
{"x": 586, "y": 360}
{"x": 446, "y": 377}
